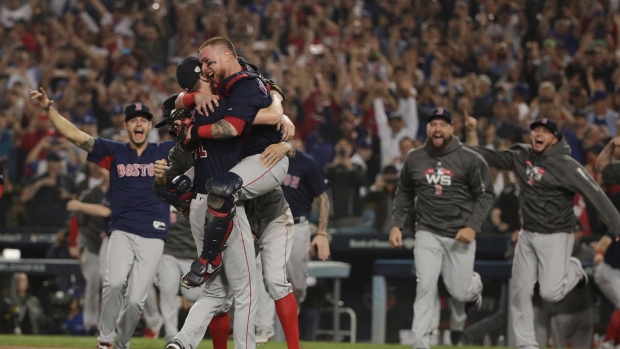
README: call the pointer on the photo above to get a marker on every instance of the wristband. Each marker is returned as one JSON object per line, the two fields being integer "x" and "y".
{"x": 203, "y": 131}
{"x": 599, "y": 252}
{"x": 188, "y": 100}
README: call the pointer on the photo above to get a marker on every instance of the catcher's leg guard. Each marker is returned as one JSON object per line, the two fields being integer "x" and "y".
{"x": 217, "y": 229}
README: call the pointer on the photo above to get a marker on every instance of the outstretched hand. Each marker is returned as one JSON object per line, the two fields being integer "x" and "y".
{"x": 42, "y": 98}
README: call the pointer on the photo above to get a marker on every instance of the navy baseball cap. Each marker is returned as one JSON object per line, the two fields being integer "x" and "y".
{"x": 363, "y": 142}
{"x": 441, "y": 113}
{"x": 599, "y": 95}
{"x": 137, "y": 109}
{"x": 166, "y": 107}
{"x": 188, "y": 72}
{"x": 548, "y": 123}
{"x": 117, "y": 109}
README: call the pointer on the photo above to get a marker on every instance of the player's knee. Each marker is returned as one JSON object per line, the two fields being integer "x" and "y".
{"x": 221, "y": 190}
{"x": 551, "y": 294}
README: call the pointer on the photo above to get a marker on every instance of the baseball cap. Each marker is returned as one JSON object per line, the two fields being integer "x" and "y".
{"x": 188, "y": 72}
{"x": 166, "y": 107}
{"x": 442, "y": 113}
{"x": 522, "y": 89}
{"x": 548, "y": 123}
{"x": 363, "y": 143}
{"x": 117, "y": 109}
{"x": 599, "y": 95}
{"x": 88, "y": 119}
{"x": 137, "y": 109}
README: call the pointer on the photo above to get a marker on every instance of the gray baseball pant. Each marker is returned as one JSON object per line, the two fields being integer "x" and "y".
{"x": 608, "y": 281}
{"x": 544, "y": 258}
{"x": 275, "y": 246}
{"x": 132, "y": 265}
{"x": 170, "y": 272}
{"x": 452, "y": 259}
{"x": 89, "y": 262}
{"x": 238, "y": 274}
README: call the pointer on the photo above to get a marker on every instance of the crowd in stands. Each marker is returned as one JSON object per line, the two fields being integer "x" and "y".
{"x": 360, "y": 78}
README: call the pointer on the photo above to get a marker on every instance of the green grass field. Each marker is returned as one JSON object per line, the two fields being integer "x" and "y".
{"x": 15, "y": 341}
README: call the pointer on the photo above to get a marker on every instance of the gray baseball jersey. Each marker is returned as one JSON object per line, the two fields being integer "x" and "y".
{"x": 454, "y": 190}
{"x": 548, "y": 185}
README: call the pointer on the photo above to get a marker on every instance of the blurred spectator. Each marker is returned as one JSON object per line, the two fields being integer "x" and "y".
{"x": 601, "y": 115}
{"x": 381, "y": 195}
{"x": 347, "y": 178}
{"x": 31, "y": 319}
{"x": 117, "y": 117}
{"x": 392, "y": 126}
{"x": 506, "y": 213}
{"x": 47, "y": 195}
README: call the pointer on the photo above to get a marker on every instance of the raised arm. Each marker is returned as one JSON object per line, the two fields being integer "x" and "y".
{"x": 64, "y": 126}
{"x": 607, "y": 154}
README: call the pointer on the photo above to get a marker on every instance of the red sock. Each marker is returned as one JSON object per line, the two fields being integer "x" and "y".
{"x": 220, "y": 328}
{"x": 286, "y": 308}
{"x": 613, "y": 329}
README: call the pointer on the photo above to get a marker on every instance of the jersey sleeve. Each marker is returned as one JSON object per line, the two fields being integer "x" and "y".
{"x": 103, "y": 152}
{"x": 318, "y": 180}
{"x": 246, "y": 98}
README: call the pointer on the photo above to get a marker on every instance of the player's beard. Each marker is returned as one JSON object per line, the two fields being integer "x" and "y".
{"x": 439, "y": 143}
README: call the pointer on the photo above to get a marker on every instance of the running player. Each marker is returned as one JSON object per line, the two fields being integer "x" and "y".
{"x": 454, "y": 194}
{"x": 138, "y": 223}
{"x": 548, "y": 178}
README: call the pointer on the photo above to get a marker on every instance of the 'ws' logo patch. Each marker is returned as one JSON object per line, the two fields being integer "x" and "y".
{"x": 534, "y": 173}
{"x": 439, "y": 176}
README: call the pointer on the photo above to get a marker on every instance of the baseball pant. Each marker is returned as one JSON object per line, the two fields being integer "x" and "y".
{"x": 170, "y": 272}
{"x": 297, "y": 267}
{"x": 152, "y": 317}
{"x": 542, "y": 321}
{"x": 458, "y": 317}
{"x": 544, "y": 258}
{"x": 132, "y": 265}
{"x": 574, "y": 326}
{"x": 608, "y": 281}
{"x": 238, "y": 276}
{"x": 89, "y": 262}
{"x": 257, "y": 179}
{"x": 452, "y": 259}
{"x": 103, "y": 258}
{"x": 275, "y": 246}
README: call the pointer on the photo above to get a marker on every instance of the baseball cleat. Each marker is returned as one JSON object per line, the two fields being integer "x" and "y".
{"x": 175, "y": 344}
{"x": 264, "y": 335}
{"x": 104, "y": 345}
{"x": 584, "y": 276}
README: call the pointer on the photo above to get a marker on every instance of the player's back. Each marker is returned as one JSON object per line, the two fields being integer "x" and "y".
{"x": 214, "y": 157}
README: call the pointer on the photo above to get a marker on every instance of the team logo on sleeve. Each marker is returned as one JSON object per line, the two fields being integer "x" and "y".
{"x": 262, "y": 86}
{"x": 439, "y": 176}
{"x": 534, "y": 173}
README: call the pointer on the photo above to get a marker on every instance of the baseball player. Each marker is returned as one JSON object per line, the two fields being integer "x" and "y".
{"x": 548, "y": 178}
{"x": 92, "y": 228}
{"x": 278, "y": 289}
{"x": 246, "y": 95}
{"x": 454, "y": 194}
{"x": 304, "y": 182}
{"x": 607, "y": 258}
{"x": 138, "y": 223}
